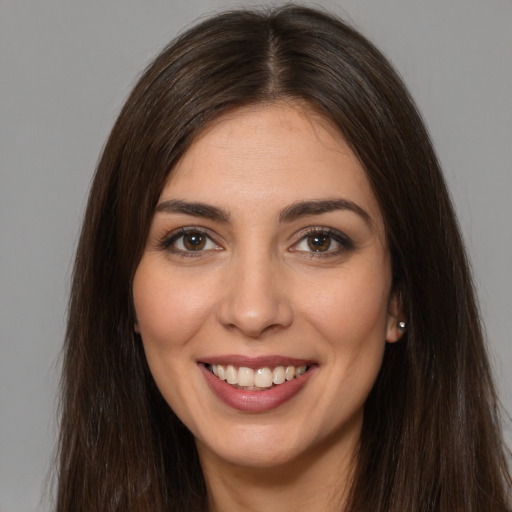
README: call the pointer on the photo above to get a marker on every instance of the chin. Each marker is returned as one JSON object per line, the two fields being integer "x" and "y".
{"x": 254, "y": 447}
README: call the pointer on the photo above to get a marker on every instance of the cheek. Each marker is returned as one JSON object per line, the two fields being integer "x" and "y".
{"x": 350, "y": 311}
{"x": 348, "y": 308}
{"x": 169, "y": 313}
{"x": 169, "y": 310}
{"x": 353, "y": 324}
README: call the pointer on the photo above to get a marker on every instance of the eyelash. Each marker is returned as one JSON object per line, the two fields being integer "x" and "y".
{"x": 171, "y": 238}
{"x": 345, "y": 243}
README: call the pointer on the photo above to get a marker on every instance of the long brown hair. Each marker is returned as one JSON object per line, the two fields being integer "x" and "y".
{"x": 431, "y": 436}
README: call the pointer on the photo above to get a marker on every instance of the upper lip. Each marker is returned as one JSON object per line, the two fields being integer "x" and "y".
{"x": 271, "y": 361}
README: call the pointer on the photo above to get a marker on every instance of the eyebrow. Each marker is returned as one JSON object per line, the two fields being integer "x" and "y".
{"x": 318, "y": 206}
{"x": 195, "y": 209}
{"x": 290, "y": 213}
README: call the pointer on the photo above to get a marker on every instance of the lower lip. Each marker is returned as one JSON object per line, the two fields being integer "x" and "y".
{"x": 255, "y": 401}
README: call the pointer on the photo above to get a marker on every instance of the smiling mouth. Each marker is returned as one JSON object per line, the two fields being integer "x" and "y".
{"x": 260, "y": 379}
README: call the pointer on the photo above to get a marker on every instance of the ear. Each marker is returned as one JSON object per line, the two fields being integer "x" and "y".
{"x": 395, "y": 315}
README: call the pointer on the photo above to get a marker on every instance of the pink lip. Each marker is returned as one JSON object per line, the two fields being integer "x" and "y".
{"x": 255, "y": 401}
{"x": 256, "y": 362}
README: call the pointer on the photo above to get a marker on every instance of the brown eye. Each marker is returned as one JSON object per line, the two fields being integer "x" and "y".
{"x": 187, "y": 241}
{"x": 322, "y": 242}
{"x": 194, "y": 241}
{"x": 319, "y": 242}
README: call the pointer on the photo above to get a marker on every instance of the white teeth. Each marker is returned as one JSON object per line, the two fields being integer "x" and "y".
{"x": 231, "y": 374}
{"x": 261, "y": 378}
{"x": 245, "y": 377}
{"x": 278, "y": 375}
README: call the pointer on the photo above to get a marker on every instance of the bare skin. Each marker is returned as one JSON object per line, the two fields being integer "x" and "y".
{"x": 304, "y": 485}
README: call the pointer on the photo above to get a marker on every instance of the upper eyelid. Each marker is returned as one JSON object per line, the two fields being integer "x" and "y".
{"x": 183, "y": 230}
{"x": 175, "y": 234}
{"x": 301, "y": 232}
{"x": 338, "y": 236}
{"x": 304, "y": 232}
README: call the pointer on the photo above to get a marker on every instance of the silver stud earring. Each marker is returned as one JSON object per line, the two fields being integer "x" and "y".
{"x": 402, "y": 326}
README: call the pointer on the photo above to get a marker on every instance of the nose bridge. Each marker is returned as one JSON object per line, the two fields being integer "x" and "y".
{"x": 256, "y": 298}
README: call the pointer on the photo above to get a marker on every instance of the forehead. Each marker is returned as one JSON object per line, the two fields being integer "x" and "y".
{"x": 270, "y": 155}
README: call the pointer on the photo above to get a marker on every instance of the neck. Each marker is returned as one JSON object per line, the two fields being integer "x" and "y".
{"x": 316, "y": 480}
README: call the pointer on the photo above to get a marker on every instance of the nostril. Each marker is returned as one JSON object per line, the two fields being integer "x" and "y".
{"x": 253, "y": 331}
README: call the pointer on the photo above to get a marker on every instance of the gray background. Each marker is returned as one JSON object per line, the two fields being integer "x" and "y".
{"x": 65, "y": 68}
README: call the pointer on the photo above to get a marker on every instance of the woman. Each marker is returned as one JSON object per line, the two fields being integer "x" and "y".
{"x": 271, "y": 303}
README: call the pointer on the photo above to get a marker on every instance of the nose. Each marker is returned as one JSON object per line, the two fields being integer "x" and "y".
{"x": 256, "y": 299}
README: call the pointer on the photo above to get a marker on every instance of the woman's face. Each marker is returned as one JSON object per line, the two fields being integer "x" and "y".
{"x": 266, "y": 261}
